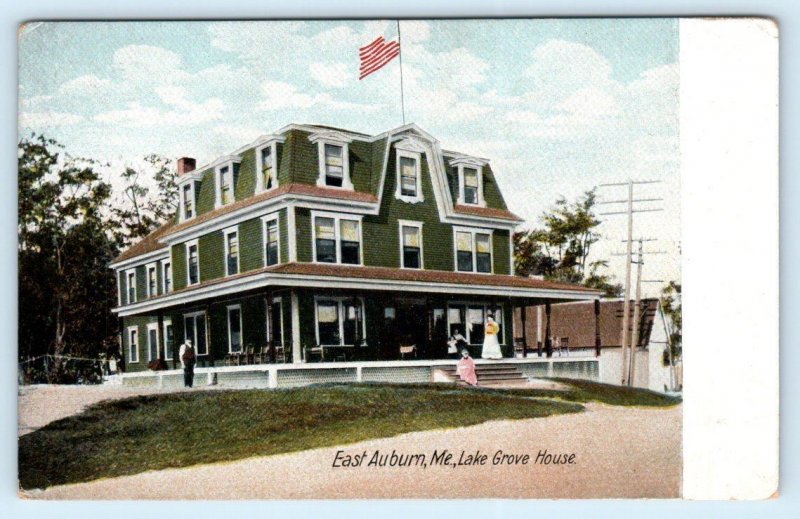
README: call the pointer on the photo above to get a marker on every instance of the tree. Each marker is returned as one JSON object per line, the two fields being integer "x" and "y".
{"x": 142, "y": 211}
{"x": 65, "y": 244}
{"x": 673, "y": 309}
{"x": 560, "y": 249}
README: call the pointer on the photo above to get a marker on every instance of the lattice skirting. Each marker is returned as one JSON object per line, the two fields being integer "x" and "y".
{"x": 303, "y": 377}
{"x": 398, "y": 374}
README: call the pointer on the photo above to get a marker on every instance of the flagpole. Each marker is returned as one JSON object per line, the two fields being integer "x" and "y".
{"x": 400, "y": 55}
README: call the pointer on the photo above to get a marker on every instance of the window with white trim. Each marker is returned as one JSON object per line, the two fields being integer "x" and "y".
{"x": 169, "y": 339}
{"x": 234, "y": 329}
{"x": 471, "y": 186}
{"x": 473, "y": 249}
{"x": 337, "y": 321}
{"x": 334, "y": 165}
{"x": 231, "y": 252}
{"x": 152, "y": 281}
{"x": 271, "y": 240}
{"x": 410, "y": 244}
{"x": 470, "y": 181}
{"x": 225, "y": 184}
{"x": 187, "y": 201}
{"x": 194, "y": 329}
{"x": 337, "y": 238}
{"x": 192, "y": 263}
{"x": 409, "y": 178}
{"x": 334, "y": 159}
{"x": 267, "y": 164}
{"x": 152, "y": 342}
{"x": 166, "y": 277}
{"x": 131, "y": 280}
{"x": 133, "y": 344}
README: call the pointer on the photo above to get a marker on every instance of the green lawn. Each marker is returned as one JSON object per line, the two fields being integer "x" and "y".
{"x": 181, "y": 429}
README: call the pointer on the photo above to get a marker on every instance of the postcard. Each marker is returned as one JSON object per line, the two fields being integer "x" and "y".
{"x": 353, "y": 259}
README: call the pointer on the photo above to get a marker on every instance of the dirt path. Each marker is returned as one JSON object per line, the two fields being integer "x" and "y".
{"x": 619, "y": 452}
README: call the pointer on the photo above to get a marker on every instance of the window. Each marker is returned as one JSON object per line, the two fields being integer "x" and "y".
{"x": 231, "y": 252}
{"x": 470, "y": 180}
{"x": 409, "y": 180}
{"x": 340, "y": 321}
{"x": 226, "y": 185}
{"x": 333, "y": 153}
{"x": 464, "y": 251}
{"x": 192, "y": 267}
{"x": 152, "y": 342}
{"x": 410, "y": 244}
{"x": 194, "y": 329}
{"x": 133, "y": 344}
{"x": 470, "y": 186}
{"x": 325, "y": 231}
{"x": 334, "y": 165}
{"x": 350, "y": 242}
{"x": 268, "y": 180}
{"x": 470, "y": 321}
{"x": 234, "y": 329}
{"x": 131, "y": 286}
{"x": 166, "y": 276}
{"x": 337, "y": 239}
{"x": 473, "y": 250}
{"x": 271, "y": 241}
{"x": 226, "y": 174}
{"x": 152, "y": 281}
{"x": 169, "y": 340}
{"x": 187, "y": 194}
{"x": 408, "y": 176}
{"x": 483, "y": 252}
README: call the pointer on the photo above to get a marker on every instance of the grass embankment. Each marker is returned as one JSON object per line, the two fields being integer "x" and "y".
{"x": 175, "y": 430}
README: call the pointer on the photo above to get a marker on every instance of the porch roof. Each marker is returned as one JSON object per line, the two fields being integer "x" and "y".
{"x": 346, "y": 277}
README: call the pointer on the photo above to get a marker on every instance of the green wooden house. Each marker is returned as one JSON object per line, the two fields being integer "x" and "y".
{"x": 316, "y": 244}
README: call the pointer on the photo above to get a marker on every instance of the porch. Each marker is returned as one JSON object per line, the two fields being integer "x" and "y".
{"x": 268, "y": 376}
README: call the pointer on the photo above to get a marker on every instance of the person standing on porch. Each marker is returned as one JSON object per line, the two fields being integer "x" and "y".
{"x": 491, "y": 348}
{"x": 466, "y": 368}
{"x": 188, "y": 360}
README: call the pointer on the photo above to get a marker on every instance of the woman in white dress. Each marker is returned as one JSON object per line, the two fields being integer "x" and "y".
{"x": 491, "y": 348}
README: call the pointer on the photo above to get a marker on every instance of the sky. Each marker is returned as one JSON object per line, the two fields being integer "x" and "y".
{"x": 557, "y": 106}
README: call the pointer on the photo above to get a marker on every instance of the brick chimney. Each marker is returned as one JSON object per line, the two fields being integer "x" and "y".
{"x": 186, "y": 164}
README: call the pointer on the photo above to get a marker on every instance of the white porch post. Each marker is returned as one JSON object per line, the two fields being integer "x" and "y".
{"x": 296, "y": 353}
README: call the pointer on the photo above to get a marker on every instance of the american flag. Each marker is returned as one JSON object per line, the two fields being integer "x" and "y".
{"x": 376, "y": 54}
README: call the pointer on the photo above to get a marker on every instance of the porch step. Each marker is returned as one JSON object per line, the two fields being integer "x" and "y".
{"x": 488, "y": 374}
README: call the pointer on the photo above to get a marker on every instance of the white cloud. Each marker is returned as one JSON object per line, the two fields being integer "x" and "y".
{"x": 333, "y": 75}
{"x": 35, "y": 120}
{"x": 87, "y": 85}
{"x": 189, "y": 114}
{"x": 278, "y": 95}
{"x": 146, "y": 63}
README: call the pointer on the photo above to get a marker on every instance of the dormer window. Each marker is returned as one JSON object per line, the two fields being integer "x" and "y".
{"x": 334, "y": 168}
{"x": 267, "y": 163}
{"x": 187, "y": 199}
{"x": 471, "y": 186}
{"x": 409, "y": 177}
{"x": 470, "y": 180}
{"x": 225, "y": 183}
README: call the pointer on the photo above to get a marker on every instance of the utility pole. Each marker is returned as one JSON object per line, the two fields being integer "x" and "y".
{"x": 625, "y": 370}
{"x": 635, "y": 339}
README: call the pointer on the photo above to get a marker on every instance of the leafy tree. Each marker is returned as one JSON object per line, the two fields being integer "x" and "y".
{"x": 673, "y": 309}
{"x": 559, "y": 249}
{"x": 65, "y": 243}
{"x": 142, "y": 210}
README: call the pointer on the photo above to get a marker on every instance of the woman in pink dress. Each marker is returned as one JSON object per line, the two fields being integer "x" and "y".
{"x": 466, "y": 368}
